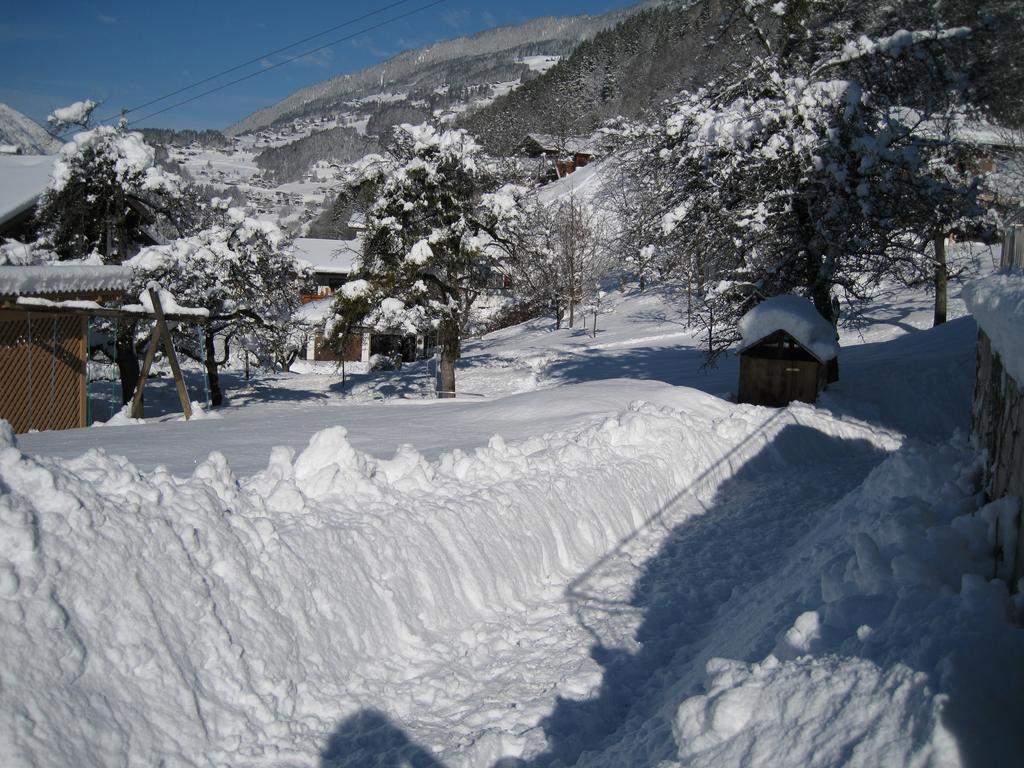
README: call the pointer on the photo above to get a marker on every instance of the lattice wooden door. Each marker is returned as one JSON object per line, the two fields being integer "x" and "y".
{"x": 42, "y": 371}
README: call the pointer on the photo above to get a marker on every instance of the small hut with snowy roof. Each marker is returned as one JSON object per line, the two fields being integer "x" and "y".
{"x": 789, "y": 352}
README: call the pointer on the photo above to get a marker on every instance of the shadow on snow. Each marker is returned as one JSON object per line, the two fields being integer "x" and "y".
{"x": 708, "y": 567}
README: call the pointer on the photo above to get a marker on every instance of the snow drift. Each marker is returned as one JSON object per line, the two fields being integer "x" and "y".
{"x": 212, "y": 621}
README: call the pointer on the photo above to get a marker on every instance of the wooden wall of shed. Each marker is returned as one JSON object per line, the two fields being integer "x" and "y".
{"x": 997, "y": 421}
{"x": 777, "y": 383}
{"x": 353, "y": 350}
{"x": 42, "y": 371}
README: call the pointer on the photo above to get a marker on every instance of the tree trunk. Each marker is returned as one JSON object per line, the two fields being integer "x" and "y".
{"x": 821, "y": 295}
{"x": 941, "y": 279}
{"x": 127, "y": 363}
{"x": 448, "y": 337}
{"x": 212, "y": 374}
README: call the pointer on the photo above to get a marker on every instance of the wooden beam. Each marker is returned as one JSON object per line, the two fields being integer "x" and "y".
{"x": 42, "y": 309}
{"x": 172, "y": 358}
{"x": 154, "y": 341}
{"x": 160, "y": 335}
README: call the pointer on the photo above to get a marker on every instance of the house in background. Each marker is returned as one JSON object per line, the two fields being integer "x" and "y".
{"x": 332, "y": 261}
{"x": 23, "y": 180}
{"x": 556, "y": 157}
{"x": 333, "y": 264}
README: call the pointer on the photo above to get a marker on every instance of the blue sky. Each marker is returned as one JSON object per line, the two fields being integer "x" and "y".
{"x": 126, "y": 53}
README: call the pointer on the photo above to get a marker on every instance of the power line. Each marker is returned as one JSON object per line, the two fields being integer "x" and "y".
{"x": 279, "y": 64}
{"x": 272, "y": 53}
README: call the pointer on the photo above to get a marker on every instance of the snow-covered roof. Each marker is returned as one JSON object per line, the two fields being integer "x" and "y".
{"x": 23, "y": 178}
{"x": 796, "y": 316}
{"x": 316, "y": 312}
{"x": 327, "y": 257}
{"x": 62, "y": 278}
{"x": 997, "y": 303}
{"x": 570, "y": 144}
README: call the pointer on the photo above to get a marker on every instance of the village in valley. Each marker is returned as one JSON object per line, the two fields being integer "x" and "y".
{"x": 632, "y": 387}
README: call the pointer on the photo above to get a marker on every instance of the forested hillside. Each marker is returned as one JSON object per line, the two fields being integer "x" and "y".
{"x": 623, "y": 71}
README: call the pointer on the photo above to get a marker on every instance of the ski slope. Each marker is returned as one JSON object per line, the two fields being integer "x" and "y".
{"x": 596, "y": 559}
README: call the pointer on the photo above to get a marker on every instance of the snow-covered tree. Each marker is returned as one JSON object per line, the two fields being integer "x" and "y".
{"x": 105, "y": 191}
{"x": 579, "y": 252}
{"x": 77, "y": 115}
{"x": 428, "y": 248}
{"x": 815, "y": 177}
{"x": 239, "y": 273}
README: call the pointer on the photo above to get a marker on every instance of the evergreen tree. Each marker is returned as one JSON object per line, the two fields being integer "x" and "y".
{"x": 105, "y": 192}
{"x": 428, "y": 248}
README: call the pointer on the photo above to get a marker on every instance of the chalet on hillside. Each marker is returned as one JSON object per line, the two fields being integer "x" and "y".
{"x": 789, "y": 353}
{"x": 559, "y": 156}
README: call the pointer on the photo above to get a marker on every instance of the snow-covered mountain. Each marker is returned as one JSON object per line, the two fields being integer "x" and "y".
{"x": 444, "y": 71}
{"x": 21, "y": 131}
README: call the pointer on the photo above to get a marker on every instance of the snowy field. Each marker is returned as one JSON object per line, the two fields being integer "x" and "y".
{"x": 594, "y": 557}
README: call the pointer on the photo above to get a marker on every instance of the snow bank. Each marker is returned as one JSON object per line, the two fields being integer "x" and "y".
{"x": 210, "y": 620}
{"x": 795, "y": 315}
{"x": 997, "y": 303}
{"x": 907, "y": 654}
{"x": 812, "y": 712}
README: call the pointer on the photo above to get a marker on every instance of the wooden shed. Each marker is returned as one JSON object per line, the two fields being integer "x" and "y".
{"x": 42, "y": 351}
{"x": 789, "y": 353}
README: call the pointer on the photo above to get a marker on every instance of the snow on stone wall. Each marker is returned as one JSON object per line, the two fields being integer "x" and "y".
{"x": 997, "y": 303}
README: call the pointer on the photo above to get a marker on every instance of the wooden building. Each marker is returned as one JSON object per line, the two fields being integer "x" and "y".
{"x": 560, "y": 156}
{"x": 789, "y": 353}
{"x": 23, "y": 179}
{"x": 43, "y": 352}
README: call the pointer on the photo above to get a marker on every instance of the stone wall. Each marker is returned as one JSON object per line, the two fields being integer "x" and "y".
{"x": 997, "y": 421}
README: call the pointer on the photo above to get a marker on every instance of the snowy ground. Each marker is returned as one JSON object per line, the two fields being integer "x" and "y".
{"x": 635, "y": 572}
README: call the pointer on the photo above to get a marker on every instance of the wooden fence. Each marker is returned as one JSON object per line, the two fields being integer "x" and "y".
{"x": 42, "y": 371}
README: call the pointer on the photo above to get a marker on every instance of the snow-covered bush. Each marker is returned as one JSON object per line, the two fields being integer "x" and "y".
{"x": 241, "y": 275}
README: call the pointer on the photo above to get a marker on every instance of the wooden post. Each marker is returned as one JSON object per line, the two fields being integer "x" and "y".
{"x": 172, "y": 358}
{"x": 161, "y": 334}
{"x": 154, "y": 340}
